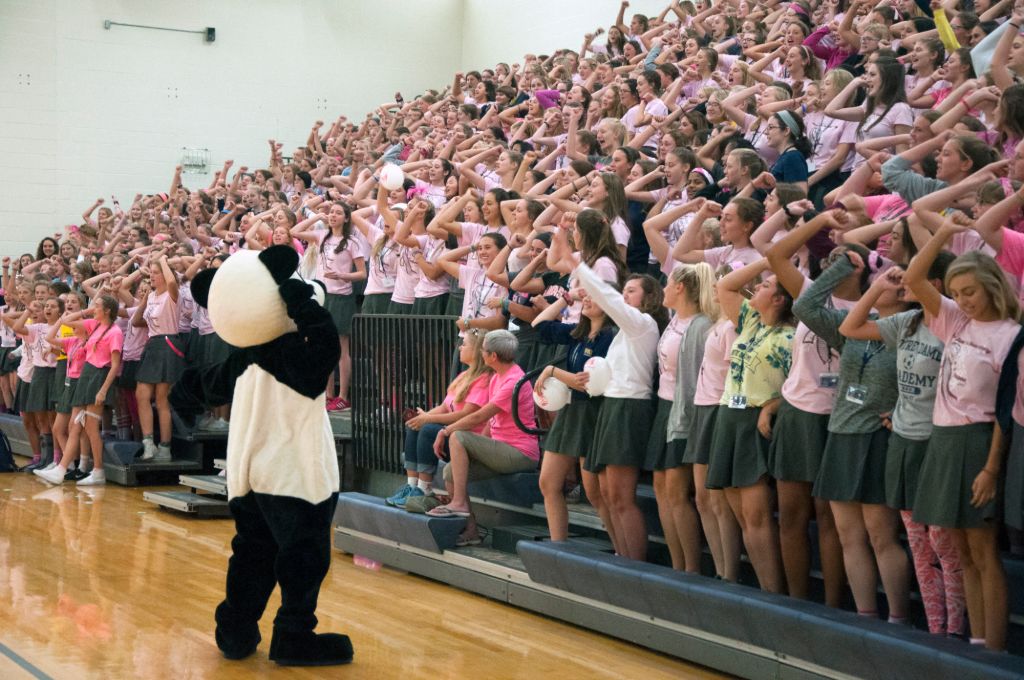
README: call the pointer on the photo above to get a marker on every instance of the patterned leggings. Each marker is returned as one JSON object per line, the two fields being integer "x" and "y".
{"x": 939, "y": 576}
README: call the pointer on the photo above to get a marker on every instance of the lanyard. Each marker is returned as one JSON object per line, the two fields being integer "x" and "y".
{"x": 866, "y": 356}
{"x": 482, "y": 293}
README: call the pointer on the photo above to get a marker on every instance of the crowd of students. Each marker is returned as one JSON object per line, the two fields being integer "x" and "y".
{"x": 793, "y": 230}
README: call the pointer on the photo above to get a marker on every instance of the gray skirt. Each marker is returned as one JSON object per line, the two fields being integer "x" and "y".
{"x": 954, "y": 459}
{"x": 89, "y": 384}
{"x": 67, "y": 391}
{"x": 129, "y": 369}
{"x": 211, "y": 350}
{"x": 40, "y": 395}
{"x": 739, "y": 454}
{"x": 399, "y": 308}
{"x": 431, "y": 306}
{"x": 342, "y": 309}
{"x": 702, "y": 429}
{"x": 376, "y": 303}
{"x": 1014, "y": 497}
{"x": 573, "y": 431}
{"x": 8, "y": 364}
{"x": 453, "y": 306}
{"x": 21, "y": 396}
{"x": 798, "y": 440}
{"x": 663, "y": 455}
{"x": 853, "y": 468}
{"x": 621, "y": 432}
{"x": 160, "y": 362}
{"x": 902, "y": 470}
{"x": 59, "y": 374}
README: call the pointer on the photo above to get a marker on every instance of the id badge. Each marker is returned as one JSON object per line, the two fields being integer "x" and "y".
{"x": 737, "y": 401}
{"x": 857, "y": 394}
{"x": 67, "y": 382}
{"x": 828, "y": 380}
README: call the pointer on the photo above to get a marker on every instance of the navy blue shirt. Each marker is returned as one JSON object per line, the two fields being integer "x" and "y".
{"x": 580, "y": 351}
{"x": 791, "y": 167}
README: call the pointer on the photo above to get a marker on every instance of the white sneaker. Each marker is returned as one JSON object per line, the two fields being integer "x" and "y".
{"x": 218, "y": 425}
{"x": 163, "y": 453}
{"x": 205, "y": 422}
{"x": 148, "y": 449}
{"x": 49, "y": 467}
{"x": 95, "y": 478}
{"x": 54, "y": 476}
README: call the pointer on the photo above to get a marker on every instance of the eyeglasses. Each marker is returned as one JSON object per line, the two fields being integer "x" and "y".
{"x": 773, "y": 127}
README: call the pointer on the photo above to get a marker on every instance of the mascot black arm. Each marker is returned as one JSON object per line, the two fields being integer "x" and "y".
{"x": 213, "y": 385}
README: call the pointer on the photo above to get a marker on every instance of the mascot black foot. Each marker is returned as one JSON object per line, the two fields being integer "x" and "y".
{"x": 282, "y": 469}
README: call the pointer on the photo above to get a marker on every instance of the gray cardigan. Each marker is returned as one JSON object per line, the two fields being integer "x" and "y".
{"x": 690, "y": 358}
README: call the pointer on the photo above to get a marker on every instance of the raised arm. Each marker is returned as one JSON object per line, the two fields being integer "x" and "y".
{"x": 730, "y": 288}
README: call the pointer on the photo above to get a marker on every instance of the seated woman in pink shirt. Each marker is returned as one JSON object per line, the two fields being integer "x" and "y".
{"x": 502, "y": 448}
{"x": 94, "y": 390}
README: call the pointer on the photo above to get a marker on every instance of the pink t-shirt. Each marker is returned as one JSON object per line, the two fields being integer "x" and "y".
{"x": 812, "y": 357}
{"x": 971, "y": 363}
{"x": 135, "y": 339}
{"x": 477, "y": 396}
{"x": 1011, "y": 258}
{"x": 716, "y": 257}
{"x": 479, "y": 289}
{"x": 161, "y": 314}
{"x": 427, "y": 287}
{"x": 186, "y": 307}
{"x": 884, "y": 207}
{"x": 382, "y": 268}
{"x": 668, "y": 356}
{"x": 431, "y": 192}
{"x": 101, "y": 343}
{"x": 715, "y": 367}
{"x": 503, "y": 427}
{"x": 43, "y": 354}
{"x": 76, "y": 355}
{"x": 408, "y": 275}
{"x": 620, "y": 232}
{"x": 330, "y": 262}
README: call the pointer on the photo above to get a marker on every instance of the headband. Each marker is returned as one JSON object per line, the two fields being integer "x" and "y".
{"x": 797, "y": 8}
{"x": 790, "y": 122}
{"x": 705, "y": 174}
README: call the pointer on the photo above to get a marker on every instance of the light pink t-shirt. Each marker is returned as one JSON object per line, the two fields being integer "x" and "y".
{"x": 471, "y": 233}
{"x": 101, "y": 343}
{"x": 503, "y": 427}
{"x": 201, "y": 319}
{"x": 427, "y": 287}
{"x": 408, "y": 275}
{"x": 971, "y": 363}
{"x": 25, "y": 367}
{"x": 329, "y": 262}
{"x": 431, "y": 192}
{"x": 716, "y": 257}
{"x": 668, "y": 356}
{"x": 76, "y": 355}
{"x": 135, "y": 339}
{"x": 715, "y": 367}
{"x": 43, "y": 354}
{"x": 1011, "y": 258}
{"x": 477, "y": 396}
{"x": 382, "y": 268}
{"x": 604, "y": 268}
{"x": 161, "y": 314}
{"x": 479, "y": 289}
{"x": 811, "y": 358}
{"x": 186, "y": 307}
{"x": 620, "y": 232}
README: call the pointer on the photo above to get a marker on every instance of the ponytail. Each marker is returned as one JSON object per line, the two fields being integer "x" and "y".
{"x": 699, "y": 282}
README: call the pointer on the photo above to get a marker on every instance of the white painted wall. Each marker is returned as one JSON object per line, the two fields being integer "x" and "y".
{"x": 505, "y": 31}
{"x": 88, "y": 112}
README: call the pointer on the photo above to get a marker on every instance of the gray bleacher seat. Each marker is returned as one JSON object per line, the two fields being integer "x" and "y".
{"x": 371, "y": 515}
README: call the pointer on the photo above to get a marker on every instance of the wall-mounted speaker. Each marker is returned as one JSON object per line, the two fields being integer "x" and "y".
{"x": 211, "y": 34}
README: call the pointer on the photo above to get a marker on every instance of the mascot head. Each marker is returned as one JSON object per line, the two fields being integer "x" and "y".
{"x": 242, "y": 297}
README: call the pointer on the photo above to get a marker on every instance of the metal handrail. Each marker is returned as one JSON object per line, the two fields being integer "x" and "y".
{"x": 515, "y": 396}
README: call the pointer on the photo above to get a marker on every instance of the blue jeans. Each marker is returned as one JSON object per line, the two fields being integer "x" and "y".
{"x": 419, "y": 448}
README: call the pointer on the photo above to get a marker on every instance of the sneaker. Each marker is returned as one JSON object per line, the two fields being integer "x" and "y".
{"x": 163, "y": 454}
{"x": 344, "y": 404}
{"x": 49, "y": 467}
{"x": 402, "y": 494}
{"x": 415, "y": 492}
{"x": 421, "y": 504}
{"x": 33, "y": 465}
{"x": 218, "y": 425}
{"x": 94, "y": 478}
{"x": 54, "y": 476}
{"x": 148, "y": 449}
{"x": 332, "y": 404}
{"x": 75, "y": 475}
{"x": 574, "y": 495}
{"x": 206, "y": 421}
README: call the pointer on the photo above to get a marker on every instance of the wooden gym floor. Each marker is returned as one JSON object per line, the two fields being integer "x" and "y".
{"x": 100, "y": 584}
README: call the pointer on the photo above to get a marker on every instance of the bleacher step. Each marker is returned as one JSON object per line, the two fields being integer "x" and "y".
{"x": 214, "y": 484}
{"x": 371, "y": 515}
{"x": 191, "y": 503}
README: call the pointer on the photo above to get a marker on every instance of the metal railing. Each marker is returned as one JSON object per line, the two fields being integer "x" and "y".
{"x": 400, "y": 363}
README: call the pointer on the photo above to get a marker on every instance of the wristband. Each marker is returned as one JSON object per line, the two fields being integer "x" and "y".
{"x": 504, "y": 305}
{"x": 994, "y": 474}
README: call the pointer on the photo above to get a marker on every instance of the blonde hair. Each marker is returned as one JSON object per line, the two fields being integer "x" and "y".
{"x": 699, "y": 282}
{"x": 989, "y": 276}
{"x": 461, "y": 385}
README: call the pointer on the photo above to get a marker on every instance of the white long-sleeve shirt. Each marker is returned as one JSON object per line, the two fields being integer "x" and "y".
{"x": 633, "y": 354}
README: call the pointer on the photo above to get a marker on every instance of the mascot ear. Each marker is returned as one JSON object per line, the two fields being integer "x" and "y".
{"x": 280, "y": 261}
{"x": 200, "y": 286}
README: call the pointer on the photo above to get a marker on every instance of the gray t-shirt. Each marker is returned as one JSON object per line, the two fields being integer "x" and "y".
{"x": 917, "y": 366}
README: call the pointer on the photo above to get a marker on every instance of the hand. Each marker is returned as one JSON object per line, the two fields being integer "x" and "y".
{"x": 294, "y": 291}
{"x": 578, "y": 381}
{"x": 800, "y": 207}
{"x": 856, "y": 260}
{"x": 439, "y": 443}
{"x": 494, "y": 303}
{"x": 101, "y": 397}
{"x": 891, "y": 280}
{"x": 886, "y": 420}
{"x": 764, "y": 423}
{"x": 983, "y": 489}
{"x": 712, "y": 208}
{"x": 460, "y": 323}
{"x": 418, "y": 421}
{"x": 765, "y": 181}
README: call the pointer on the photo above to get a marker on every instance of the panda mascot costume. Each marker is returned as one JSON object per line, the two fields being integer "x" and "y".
{"x": 282, "y": 469}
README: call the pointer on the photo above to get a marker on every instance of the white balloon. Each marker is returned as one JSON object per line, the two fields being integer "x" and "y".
{"x": 600, "y": 374}
{"x": 553, "y": 396}
{"x": 391, "y": 176}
